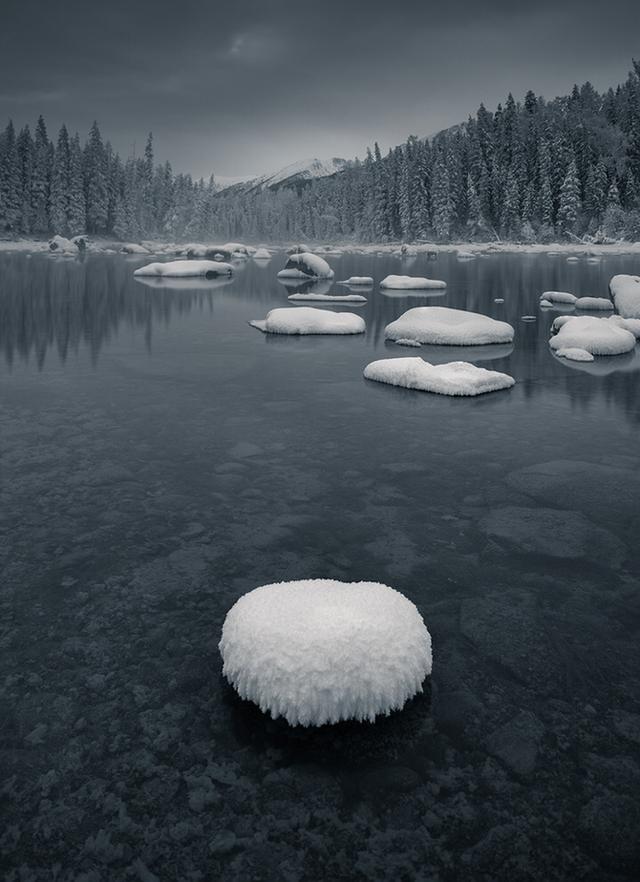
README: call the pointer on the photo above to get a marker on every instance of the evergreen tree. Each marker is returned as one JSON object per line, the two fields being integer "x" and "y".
{"x": 569, "y": 207}
{"x": 95, "y": 182}
{"x": 61, "y": 184}
{"x": 40, "y": 189}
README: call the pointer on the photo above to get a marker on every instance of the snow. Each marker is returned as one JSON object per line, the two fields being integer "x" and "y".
{"x": 630, "y": 324}
{"x": 465, "y": 255}
{"x": 409, "y": 282}
{"x": 558, "y": 297}
{"x": 449, "y": 327}
{"x": 329, "y": 298}
{"x": 593, "y": 303}
{"x": 546, "y": 303}
{"x": 60, "y": 245}
{"x": 405, "y": 341}
{"x": 454, "y": 378}
{"x": 207, "y": 269}
{"x": 625, "y": 291}
{"x": 573, "y": 353}
{"x": 357, "y": 280}
{"x": 133, "y": 248}
{"x": 299, "y": 249}
{"x": 598, "y": 336}
{"x": 318, "y": 651}
{"x": 261, "y": 254}
{"x": 305, "y": 265}
{"x": 308, "y": 320}
{"x": 572, "y": 259}
{"x": 237, "y": 249}
{"x": 559, "y": 322}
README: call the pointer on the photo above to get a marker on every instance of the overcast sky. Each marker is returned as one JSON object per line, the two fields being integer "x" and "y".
{"x": 249, "y": 86}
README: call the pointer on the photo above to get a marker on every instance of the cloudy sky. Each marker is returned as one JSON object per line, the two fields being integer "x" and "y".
{"x": 248, "y": 86}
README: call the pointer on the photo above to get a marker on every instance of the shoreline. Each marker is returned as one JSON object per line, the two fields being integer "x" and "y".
{"x": 103, "y": 246}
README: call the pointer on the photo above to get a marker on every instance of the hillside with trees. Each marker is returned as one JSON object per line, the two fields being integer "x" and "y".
{"x": 534, "y": 170}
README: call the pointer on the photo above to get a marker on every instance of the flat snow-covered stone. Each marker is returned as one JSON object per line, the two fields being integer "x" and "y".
{"x": 304, "y": 265}
{"x": 319, "y": 651}
{"x": 307, "y": 320}
{"x": 357, "y": 280}
{"x": 261, "y": 254}
{"x": 573, "y": 353}
{"x": 455, "y": 378}
{"x": 328, "y": 298}
{"x": 597, "y": 336}
{"x": 179, "y": 269}
{"x": 133, "y": 248}
{"x": 407, "y": 283}
{"x": 593, "y": 303}
{"x": 625, "y": 291}
{"x": 450, "y": 327}
{"x": 558, "y": 297}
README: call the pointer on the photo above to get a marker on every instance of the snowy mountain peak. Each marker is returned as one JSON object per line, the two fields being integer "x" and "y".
{"x": 296, "y": 172}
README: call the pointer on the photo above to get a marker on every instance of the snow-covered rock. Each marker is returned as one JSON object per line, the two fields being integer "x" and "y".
{"x": 305, "y": 265}
{"x": 572, "y": 259}
{"x": 593, "y": 303}
{"x": 237, "y": 249}
{"x": 449, "y": 327}
{"x": 133, "y": 248}
{"x": 558, "y": 297}
{"x": 207, "y": 269}
{"x": 407, "y": 283}
{"x": 559, "y": 322}
{"x": 357, "y": 280}
{"x": 573, "y": 353}
{"x": 319, "y": 651}
{"x": 261, "y": 254}
{"x": 465, "y": 255}
{"x": 545, "y": 304}
{"x": 60, "y": 245}
{"x": 307, "y": 320}
{"x": 597, "y": 336}
{"x": 625, "y": 291}
{"x": 207, "y": 252}
{"x": 328, "y": 298}
{"x": 299, "y": 249}
{"x": 454, "y": 378}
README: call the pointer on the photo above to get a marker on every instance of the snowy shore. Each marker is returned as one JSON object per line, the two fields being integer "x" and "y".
{"x": 460, "y": 248}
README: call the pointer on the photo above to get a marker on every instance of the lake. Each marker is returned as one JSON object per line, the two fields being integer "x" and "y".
{"x": 160, "y": 458}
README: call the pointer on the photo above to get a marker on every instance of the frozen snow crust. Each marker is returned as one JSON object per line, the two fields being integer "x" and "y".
{"x": 309, "y": 320}
{"x": 454, "y": 378}
{"x": 449, "y": 327}
{"x": 319, "y": 651}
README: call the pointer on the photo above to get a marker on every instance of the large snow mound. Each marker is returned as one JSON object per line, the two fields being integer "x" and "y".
{"x": 305, "y": 265}
{"x": 329, "y": 298}
{"x": 558, "y": 297}
{"x": 454, "y": 378}
{"x": 449, "y": 327}
{"x": 625, "y": 291}
{"x": 593, "y": 303}
{"x": 597, "y": 336}
{"x": 405, "y": 283}
{"x": 308, "y": 320}
{"x": 207, "y": 269}
{"x": 319, "y": 651}
{"x": 61, "y": 245}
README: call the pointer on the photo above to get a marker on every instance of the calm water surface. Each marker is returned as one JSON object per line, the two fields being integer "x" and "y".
{"x": 160, "y": 458}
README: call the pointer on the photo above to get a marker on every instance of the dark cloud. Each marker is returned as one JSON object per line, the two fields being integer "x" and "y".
{"x": 236, "y": 87}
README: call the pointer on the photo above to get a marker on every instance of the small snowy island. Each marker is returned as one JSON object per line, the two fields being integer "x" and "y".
{"x": 319, "y": 651}
{"x": 457, "y": 378}
{"x": 309, "y": 320}
{"x": 441, "y": 325}
{"x": 184, "y": 269}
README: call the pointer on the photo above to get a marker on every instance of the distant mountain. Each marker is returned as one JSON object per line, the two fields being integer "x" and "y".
{"x": 289, "y": 176}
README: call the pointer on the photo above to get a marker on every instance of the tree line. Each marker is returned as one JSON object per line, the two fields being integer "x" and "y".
{"x": 532, "y": 170}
